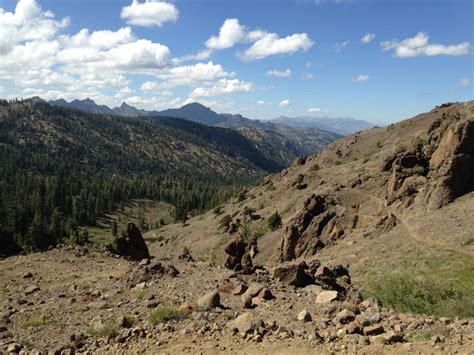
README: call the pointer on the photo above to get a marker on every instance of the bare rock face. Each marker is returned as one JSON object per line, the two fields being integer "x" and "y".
{"x": 132, "y": 244}
{"x": 452, "y": 161}
{"x": 438, "y": 169}
{"x": 311, "y": 229}
{"x": 409, "y": 169}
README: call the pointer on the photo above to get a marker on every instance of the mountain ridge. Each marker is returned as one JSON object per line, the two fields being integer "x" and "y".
{"x": 279, "y": 140}
{"x": 340, "y": 125}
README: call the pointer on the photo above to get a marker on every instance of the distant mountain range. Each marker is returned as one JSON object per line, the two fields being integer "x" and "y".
{"x": 204, "y": 115}
{"x": 279, "y": 142}
{"x": 342, "y": 125}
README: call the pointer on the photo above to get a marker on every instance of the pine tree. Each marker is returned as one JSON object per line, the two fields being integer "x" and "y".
{"x": 114, "y": 228}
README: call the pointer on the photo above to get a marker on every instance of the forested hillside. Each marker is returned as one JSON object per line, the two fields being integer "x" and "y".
{"x": 62, "y": 168}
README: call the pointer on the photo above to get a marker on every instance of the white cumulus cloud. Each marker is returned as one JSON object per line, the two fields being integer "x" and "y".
{"x": 149, "y": 13}
{"x": 419, "y": 46}
{"x": 260, "y": 102}
{"x": 368, "y": 37}
{"x": 284, "y": 103}
{"x": 223, "y": 86}
{"x": 272, "y": 44}
{"x": 230, "y": 33}
{"x": 361, "y": 77}
{"x": 315, "y": 110}
{"x": 279, "y": 73}
{"x": 264, "y": 44}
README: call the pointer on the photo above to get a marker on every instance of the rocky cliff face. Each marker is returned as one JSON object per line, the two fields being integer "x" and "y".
{"x": 441, "y": 168}
{"x": 426, "y": 171}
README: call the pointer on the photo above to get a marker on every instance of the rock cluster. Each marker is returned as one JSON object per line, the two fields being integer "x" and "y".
{"x": 131, "y": 244}
{"x": 146, "y": 273}
{"x": 320, "y": 222}
{"x": 317, "y": 277}
{"x": 240, "y": 254}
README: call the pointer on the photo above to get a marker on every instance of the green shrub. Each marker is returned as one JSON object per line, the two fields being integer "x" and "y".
{"x": 164, "y": 314}
{"x": 36, "y": 322}
{"x": 225, "y": 221}
{"x": 274, "y": 221}
{"x": 424, "y": 294}
{"x": 248, "y": 211}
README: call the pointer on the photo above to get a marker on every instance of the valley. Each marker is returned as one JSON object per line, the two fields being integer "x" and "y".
{"x": 375, "y": 219}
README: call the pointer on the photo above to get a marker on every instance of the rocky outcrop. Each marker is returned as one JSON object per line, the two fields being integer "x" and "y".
{"x": 131, "y": 244}
{"x": 235, "y": 251}
{"x": 438, "y": 169}
{"x": 409, "y": 168}
{"x": 240, "y": 254}
{"x": 311, "y": 229}
{"x": 451, "y": 141}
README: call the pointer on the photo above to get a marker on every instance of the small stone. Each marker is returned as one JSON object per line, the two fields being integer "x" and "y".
{"x": 186, "y": 308}
{"x": 353, "y": 328}
{"x": 252, "y": 291}
{"x": 445, "y": 320}
{"x": 32, "y": 289}
{"x": 373, "y": 329}
{"x": 341, "y": 333}
{"x": 326, "y": 297}
{"x": 13, "y": 348}
{"x": 304, "y": 316}
{"x": 265, "y": 294}
{"x": 140, "y": 286}
{"x": 209, "y": 301}
{"x": 393, "y": 337}
{"x": 124, "y": 322}
{"x": 144, "y": 262}
{"x": 377, "y": 339}
{"x": 27, "y": 275}
{"x": 344, "y": 316}
{"x": 239, "y": 290}
{"x": 312, "y": 289}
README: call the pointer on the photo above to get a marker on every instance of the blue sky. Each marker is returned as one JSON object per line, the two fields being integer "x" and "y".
{"x": 381, "y": 60}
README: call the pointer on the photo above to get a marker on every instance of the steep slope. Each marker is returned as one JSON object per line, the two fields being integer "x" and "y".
{"x": 60, "y": 168}
{"x": 380, "y": 200}
{"x": 292, "y": 141}
{"x": 279, "y": 142}
{"x": 340, "y": 125}
{"x": 347, "y": 206}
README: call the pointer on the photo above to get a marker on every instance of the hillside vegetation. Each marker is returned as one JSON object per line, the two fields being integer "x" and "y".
{"x": 63, "y": 168}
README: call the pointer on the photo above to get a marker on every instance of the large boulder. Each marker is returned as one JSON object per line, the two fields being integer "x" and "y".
{"x": 293, "y": 273}
{"x": 320, "y": 222}
{"x": 235, "y": 250}
{"x": 246, "y": 323}
{"x": 209, "y": 301}
{"x": 131, "y": 244}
